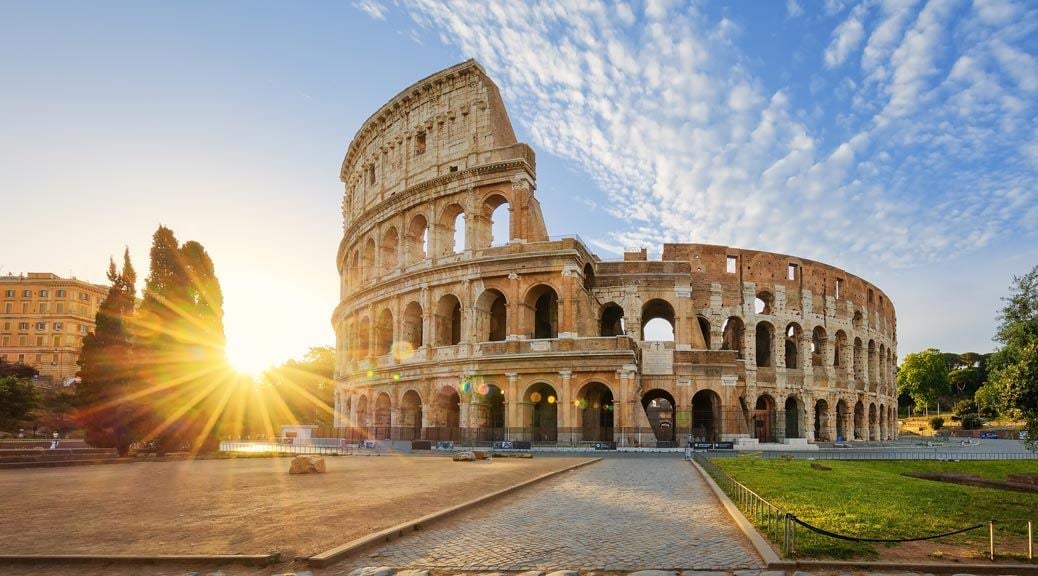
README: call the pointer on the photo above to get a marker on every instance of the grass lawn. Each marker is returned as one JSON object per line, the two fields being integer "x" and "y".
{"x": 871, "y": 499}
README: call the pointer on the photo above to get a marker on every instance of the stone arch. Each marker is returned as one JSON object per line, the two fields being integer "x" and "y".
{"x": 822, "y": 421}
{"x": 416, "y": 240}
{"x": 858, "y": 320}
{"x": 389, "y": 247}
{"x": 445, "y": 417}
{"x": 589, "y": 277}
{"x": 706, "y": 415}
{"x": 840, "y": 350}
{"x": 882, "y": 368}
{"x": 859, "y": 360}
{"x": 412, "y": 326}
{"x": 765, "y": 337}
{"x": 491, "y": 316}
{"x": 361, "y": 414}
{"x": 873, "y": 365}
{"x": 733, "y": 337}
{"x": 793, "y": 409}
{"x": 704, "y": 328}
{"x": 658, "y": 309}
{"x": 543, "y": 302}
{"x": 355, "y": 279}
{"x": 363, "y": 349}
{"x": 794, "y": 334}
{"x": 487, "y": 412}
{"x": 541, "y": 399}
{"x": 765, "y": 418}
{"x": 384, "y": 332}
{"x": 612, "y": 320}
{"x": 860, "y": 433}
{"x": 497, "y": 212}
{"x": 452, "y": 230}
{"x": 447, "y": 326}
{"x": 818, "y": 342}
{"x": 764, "y": 303}
{"x": 660, "y": 410}
{"x": 410, "y": 424}
{"x": 883, "y": 434}
{"x": 873, "y": 422}
{"x": 595, "y": 403}
{"x": 383, "y": 420}
{"x": 368, "y": 259}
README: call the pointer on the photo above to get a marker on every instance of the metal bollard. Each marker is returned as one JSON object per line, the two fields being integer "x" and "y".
{"x": 1030, "y": 541}
{"x": 991, "y": 539}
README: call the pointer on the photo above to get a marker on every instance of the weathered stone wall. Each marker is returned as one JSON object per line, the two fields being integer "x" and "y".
{"x": 426, "y": 328}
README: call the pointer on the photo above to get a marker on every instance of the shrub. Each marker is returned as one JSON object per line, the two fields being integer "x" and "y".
{"x": 971, "y": 422}
{"x": 936, "y": 422}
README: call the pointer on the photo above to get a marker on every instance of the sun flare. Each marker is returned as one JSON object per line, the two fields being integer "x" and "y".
{"x": 247, "y": 361}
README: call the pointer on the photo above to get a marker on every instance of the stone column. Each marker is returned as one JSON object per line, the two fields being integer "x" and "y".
{"x": 567, "y": 412}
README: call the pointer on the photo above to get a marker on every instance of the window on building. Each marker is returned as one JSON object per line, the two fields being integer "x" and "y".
{"x": 371, "y": 174}
{"x": 21, "y": 358}
{"x": 44, "y": 293}
{"x": 21, "y": 340}
{"x": 82, "y": 329}
{"x": 24, "y": 326}
{"x": 61, "y": 293}
{"x": 25, "y": 307}
{"x": 419, "y": 144}
{"x": 84, "y": 296}
{"x": 732, "y": 264}
{"x": 60, "y": 307}
{"x": 39, "y": 359}
{"x": 7, "y": 325}
{"x": 44, "y": 308}
{"x": 58, "y": 326}
{"x": 39, "y": 341}
{"x": 839, "y": 285}
{"x": 7, "y": 307}
{"x": 792, "y": 272}
{"x": 10, "y": 293}
{"x": 26, "y": 293}
{"x": 6, "y": 340}
{"x": 57, "y": 341}
{"x": 41, "y": 326}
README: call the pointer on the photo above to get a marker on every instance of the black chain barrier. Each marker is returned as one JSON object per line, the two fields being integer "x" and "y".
{"x": 856, "y": 539}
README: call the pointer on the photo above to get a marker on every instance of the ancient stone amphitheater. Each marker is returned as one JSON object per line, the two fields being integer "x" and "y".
{"x": 446, "y": 331}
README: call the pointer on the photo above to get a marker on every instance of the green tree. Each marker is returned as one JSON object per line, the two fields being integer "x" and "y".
{"x": 306, "y": 386}
{"x": 924, "y": 376}
{"x": 105, "y": 394}
{"x": 18, "y": 398}
{"x": 17, "y": 369}
{"x": 1014, "y": 375}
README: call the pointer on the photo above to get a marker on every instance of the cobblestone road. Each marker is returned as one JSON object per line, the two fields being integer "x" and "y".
{"x": 618, "y": 514}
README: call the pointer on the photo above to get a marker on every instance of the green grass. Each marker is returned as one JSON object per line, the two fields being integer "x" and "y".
{"x": 871, "y": 499}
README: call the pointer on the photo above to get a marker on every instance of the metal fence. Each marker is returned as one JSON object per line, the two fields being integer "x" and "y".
{"x": 284, "y": 448}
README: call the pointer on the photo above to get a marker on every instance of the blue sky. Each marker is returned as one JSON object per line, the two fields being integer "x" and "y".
{"x": 896, "y": 139}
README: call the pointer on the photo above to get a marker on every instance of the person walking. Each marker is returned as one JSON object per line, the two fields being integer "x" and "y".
{"x": 688, "y": 448}
{"x": 56, "y": 439}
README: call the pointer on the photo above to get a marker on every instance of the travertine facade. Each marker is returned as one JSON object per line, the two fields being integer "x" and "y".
{"x": 44, "y": 319}
{"x": 533, "y": 338}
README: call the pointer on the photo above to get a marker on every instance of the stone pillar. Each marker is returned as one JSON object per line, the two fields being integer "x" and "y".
{"x": 512, "y": 401}
{"x": 566, "y": 410}
{"x": 809, "y": 417}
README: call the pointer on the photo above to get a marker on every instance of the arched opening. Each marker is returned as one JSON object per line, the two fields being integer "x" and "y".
{"x": 595, "y": 403}
{"x": 383, "y": 417}
{"x": 417, "y": 240}
{"x": 706, "y": 416}
{"x": 764, "y": 303}
{"x": 492, "y": 316}
{"x": 390, "y": 244}
{"x": 410, "y": 424}
{"x": 544, "y": 302}
{"x": 873, "y": 423}
{"x": 589, "y": 276}
{"x": 452, "y": 228}
{"x": 841, "y": 421}
{"x": 873, "y": 366}
{"x": 792, "y": 417}
{"x": 704, "y": 329}
{"x": 765, "y": 336}
{"x": 858, "y": 320}
{"x": 497, "y": 210}
{"x": 792, "y": 345}
{"x": 840, "y": 349}
{"x": 818, "y": 339}
{"x": 764, "y": 419}
{"x": 368, "y": 259}
{"x": 354, "y": 271}
{"x": 544, "y": 412}
{"x": 446, "y": 416}
{"x": 384, "y": 333}
{"x": 883, "y": 434}
{"x": 448, "y": 321}
{"x": 487, "y": 414}
{"x": 659, "y": 408}
{"x": 859, "y": 361}
{"x": 859, "y": 422}
{"x": 822, "y": 421}
{"x": 412, "y": 325}
{"x": 733, "y": 337}
{"x": 658, "y": 321}
{"x": 363, "y": 349}
{"x": 360, "y": 415}
{"x": 612, "y": 320}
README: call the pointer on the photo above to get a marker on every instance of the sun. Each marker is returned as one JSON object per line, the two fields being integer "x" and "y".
{"x": 247, "y": 361}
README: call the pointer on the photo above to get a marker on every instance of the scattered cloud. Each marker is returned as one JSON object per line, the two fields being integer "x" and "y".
{"x": 846, "y": 38}
{"x": 372, "y": 8}
{"x": 793, "y": 9}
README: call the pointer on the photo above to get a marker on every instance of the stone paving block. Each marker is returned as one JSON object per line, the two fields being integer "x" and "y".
{"x": 703, "y": 573}
{"x": 654, "y": 573}
{"x": 373, "y": 571}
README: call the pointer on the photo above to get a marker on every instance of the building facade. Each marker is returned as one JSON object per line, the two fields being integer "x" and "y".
{"x": 445, "y": 331}
{"x": 44, "y": 318}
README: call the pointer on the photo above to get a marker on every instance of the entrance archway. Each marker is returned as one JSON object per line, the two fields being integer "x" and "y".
{"x": 792, "y": 417}
{"x": 544, "y": 412}
{"x": 706, "y": 415}
{"x": 659, "y": 409}
{"x": 822, "y": 421}
{"x": 487, "y": 414}
{"x": 383, "y": 417}
{"x": 859, "y": 422}
{"x": 764, "y": 419}
{"x": 410, "y": 424}
{"x": 596, "y": 412}
{"x": 841, "y": 421}
{"x": 446, "y": 415}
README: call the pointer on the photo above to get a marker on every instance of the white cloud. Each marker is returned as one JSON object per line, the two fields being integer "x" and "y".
{"x": 884, "y": 37}
{"x": 914, "y": 60}
{"x": 372, "y": 8}
{"x": 793, "y": 9}
{"x": 846, "y": 38}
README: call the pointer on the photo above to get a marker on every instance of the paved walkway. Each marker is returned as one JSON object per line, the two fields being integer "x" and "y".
{"x": 618, "y": 514}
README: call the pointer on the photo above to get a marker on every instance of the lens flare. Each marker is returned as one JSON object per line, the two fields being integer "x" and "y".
{"x": 466, "y": 386}
{"x": 551, "y": 399}
{"x": 535, "y": 397}
{"x": 396, "y": 377}
{"x": 483, "y": 389}
{"x": 402, "y": 351}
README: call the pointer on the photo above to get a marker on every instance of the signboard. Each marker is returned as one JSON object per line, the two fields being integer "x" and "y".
{"x": 988, "y": 435}
{"x": 605, "y": 445}
{"x": 702, "y": 445}
{"x": 724, "y": 445}
{"x": 503, "y": 445}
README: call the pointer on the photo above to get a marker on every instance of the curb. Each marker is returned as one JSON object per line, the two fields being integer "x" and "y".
{"x": 246, "y": 559}
{"x": 336, "y": 554}
{"x": 760, "y": 545}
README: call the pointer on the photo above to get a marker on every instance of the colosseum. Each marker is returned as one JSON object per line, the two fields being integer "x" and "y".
{"x": 445, "y": 331}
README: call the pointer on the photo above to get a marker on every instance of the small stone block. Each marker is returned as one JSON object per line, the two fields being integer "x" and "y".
{"x": 563, "y": 573}
{"x": 373, "y": 571}
{"x": 413, "y": 573}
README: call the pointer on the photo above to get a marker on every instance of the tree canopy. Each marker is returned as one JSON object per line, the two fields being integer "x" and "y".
{"x": 924, "y": 376}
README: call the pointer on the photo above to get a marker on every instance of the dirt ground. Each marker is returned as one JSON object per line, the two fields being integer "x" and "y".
{"x": 243, "y": 506}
